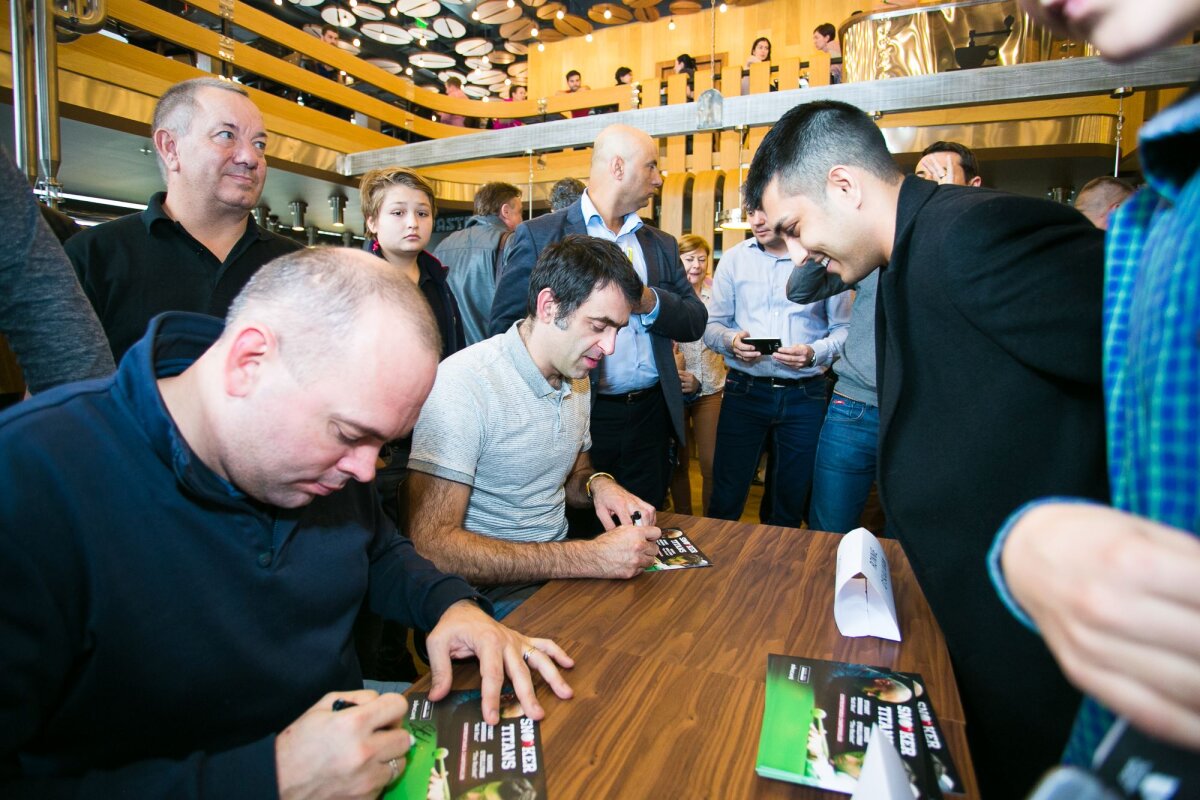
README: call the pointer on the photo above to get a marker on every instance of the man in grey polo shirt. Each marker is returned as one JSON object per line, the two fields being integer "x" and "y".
{"x": 501, "y": 446}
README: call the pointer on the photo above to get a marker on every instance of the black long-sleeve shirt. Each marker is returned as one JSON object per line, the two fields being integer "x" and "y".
{"x": 141, "y": 265}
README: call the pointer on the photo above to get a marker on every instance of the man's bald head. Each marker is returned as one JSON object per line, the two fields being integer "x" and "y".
{"x": 619, "y": 140}
{"x": 624, "y": 172}
{"x": 314, "y": 299}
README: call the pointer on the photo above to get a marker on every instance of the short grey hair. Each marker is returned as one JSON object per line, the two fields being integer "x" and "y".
{"x": 565, "y": 193}
{"x": 175, "y": 108}
{"x": 313, "y": 300}
{"x": 1098, "y": 194}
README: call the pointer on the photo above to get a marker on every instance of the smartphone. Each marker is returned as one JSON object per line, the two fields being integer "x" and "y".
{"x": 764, "y": 346}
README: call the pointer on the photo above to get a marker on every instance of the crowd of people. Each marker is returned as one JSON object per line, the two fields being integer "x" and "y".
{"x": 212, "y": 525}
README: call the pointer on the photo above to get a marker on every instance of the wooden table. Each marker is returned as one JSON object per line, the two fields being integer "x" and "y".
{"x": 671, "y": 667}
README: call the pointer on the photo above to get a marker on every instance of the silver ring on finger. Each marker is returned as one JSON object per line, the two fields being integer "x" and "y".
{"x": 395, "y": 765}
{"x": 528, "y": 652}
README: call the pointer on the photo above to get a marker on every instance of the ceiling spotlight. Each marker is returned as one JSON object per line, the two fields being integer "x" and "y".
{"x": 298, "y": 208}
{"x": 485, "y": 99}
{"x": 723, "y": 8}
{"x": 541, "y": 47}
{"x": 408, "y": 71}
{"x": 485, "y": 61}
{"x": 475, "y": 15}
{"x": 559, "y": 14}
{"x": 533, "y": 31}
{"x": 393, "y": 11}
{"x": 278, "y": 2}
{"x": 337, "y": 204}
{"x": 608, "y": 13}
{"x": 357, "y": 42}
{"x": 587, "y": 38}
{"x": 421, "y": 41}
{"x": 511, "y": 3}
{"x": 353, "y": 3}
{"x": 671, "y": 25}
{"x": 508, "y": 81}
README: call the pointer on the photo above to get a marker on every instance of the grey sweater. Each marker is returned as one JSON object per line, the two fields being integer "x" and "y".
{"x": 809, "y": 283}
{"x": 43, "y": 311}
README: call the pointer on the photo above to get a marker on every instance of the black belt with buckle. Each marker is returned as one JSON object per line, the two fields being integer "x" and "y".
{"x": 629, "y": 397}
{"x": 774, "y": 383}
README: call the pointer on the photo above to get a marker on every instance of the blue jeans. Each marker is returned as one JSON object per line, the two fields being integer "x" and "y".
{"x": 845, "y": 469}
{"x": 751, "y": 410}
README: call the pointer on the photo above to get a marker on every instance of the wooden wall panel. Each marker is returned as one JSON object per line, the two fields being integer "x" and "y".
{"x": 731, "y": 198}
{"x": 674, "y": 195}
{"x": 676, "y": 159}
{"x": 702, "y": 143}
{"x": 704, "y": 203}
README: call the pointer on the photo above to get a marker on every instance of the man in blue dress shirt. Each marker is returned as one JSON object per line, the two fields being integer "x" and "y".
{"x": 779, "y": 394}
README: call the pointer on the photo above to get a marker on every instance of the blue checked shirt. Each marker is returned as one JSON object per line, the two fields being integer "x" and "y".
{"x": 1151, "y": 356}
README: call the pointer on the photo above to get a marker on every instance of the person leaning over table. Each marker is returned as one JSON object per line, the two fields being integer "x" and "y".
{"x": 988, "y": 372}
{"x": 702, "y": 377}
{"x": 503, "y": 444}
{"x": 639, "y": 405}
{"x": 184, "y": 548}
{"x": 848, "y": 450}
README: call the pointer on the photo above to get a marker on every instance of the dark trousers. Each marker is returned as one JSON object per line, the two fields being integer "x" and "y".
{"x": 630, "y": 438}
{"x": 752, "y": 410}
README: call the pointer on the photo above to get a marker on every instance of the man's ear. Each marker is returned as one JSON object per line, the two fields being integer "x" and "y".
{"x": 976, "y": 181}
{"x": 844, "y": 185}
{"x": 616, "y": 168}
{"x": 167, "y": 147}
{"x": 251, "y": 348}
{"x": 547, "y": 306}
{"x": 511, "y": 212}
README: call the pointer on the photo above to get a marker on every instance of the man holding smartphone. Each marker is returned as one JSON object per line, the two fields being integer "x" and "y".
{"x": 777, "y": 352}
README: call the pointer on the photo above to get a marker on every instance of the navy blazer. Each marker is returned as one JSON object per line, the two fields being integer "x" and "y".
{"x": 681, "y": 315}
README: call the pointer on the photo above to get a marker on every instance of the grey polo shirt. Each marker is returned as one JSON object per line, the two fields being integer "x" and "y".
{"x": 494, "y": 423}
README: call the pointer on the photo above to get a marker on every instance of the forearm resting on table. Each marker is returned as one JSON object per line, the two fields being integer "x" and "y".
{"x": 437, "y": 508}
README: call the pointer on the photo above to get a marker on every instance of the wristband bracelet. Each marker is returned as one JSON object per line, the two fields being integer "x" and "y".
{"x": 588, "y": 486}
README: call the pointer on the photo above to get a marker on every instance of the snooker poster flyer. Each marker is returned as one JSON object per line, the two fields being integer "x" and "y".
{"x": 676, "y": 551}
{"x": 818, "y": 720}
{"x": 458, "y": 756}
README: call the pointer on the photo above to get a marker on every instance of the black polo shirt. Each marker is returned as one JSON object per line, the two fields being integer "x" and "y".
{"x": 138, "y": 266}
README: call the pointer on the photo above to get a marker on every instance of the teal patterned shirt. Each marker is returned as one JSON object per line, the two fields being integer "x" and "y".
{"x": 1151, "y": 356}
